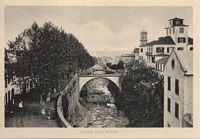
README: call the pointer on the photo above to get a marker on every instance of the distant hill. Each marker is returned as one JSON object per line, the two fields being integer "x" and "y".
{"x": 108, "y": 53}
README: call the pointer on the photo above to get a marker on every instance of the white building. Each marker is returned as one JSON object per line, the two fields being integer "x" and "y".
{"x": 176, "y": 37}
{"x": 178, "y": 89}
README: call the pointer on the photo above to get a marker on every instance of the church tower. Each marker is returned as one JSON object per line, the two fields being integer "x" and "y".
{"x": 143, "y": 37}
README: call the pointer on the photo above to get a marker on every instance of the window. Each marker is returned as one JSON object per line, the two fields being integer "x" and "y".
{"x": 6, "y": 82}
{"x": 12, "y": 93}
{"x": 160, "y": 50}
{"x": 169, "y": 31}
{"x": 173, "y": 30}
{"x": 177, "y": 22}
{"x": 173, "y": 63}
{"x": 8, "y": 96}
{"x": 180, "y": 48}
{"x": 156, "y": 65}
{"x": 169, "y": 104}
{"x": 191, "y": 48}
{"x": 176, "y": 86}
{"x": 177, "y": 110}
{"x": 141, "y": 50}
{"x": 169, "y": 83}
{"x": 181, "y": 30}
{"x": 153, "y": 59}
{"x": 181, "y": 40}
{"x": 167, "y": 50}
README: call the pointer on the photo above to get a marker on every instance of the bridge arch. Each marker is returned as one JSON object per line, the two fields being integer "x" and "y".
{"x": 115, "y": 79}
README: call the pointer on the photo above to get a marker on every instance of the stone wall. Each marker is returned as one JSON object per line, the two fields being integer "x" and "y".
{"x": 63, "y": 122}
{"x": 72, "y": 95}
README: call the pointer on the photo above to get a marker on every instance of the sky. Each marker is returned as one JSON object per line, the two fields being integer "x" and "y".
{"x": 101, "y": 29}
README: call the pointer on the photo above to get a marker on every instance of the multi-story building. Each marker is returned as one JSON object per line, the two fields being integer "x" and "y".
{"x": 178, "y": 89}
{"x": 176, "y": 37}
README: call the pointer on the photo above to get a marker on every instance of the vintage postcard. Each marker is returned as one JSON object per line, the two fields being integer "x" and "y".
{"x": 99, "y": 69}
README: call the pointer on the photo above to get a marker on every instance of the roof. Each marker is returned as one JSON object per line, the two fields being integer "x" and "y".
{"x": 162, "y": 60}
{"x": 161, "y": 54}
{"x": 176, "y": 18}
{"x": 167, "y": 40}
{"x": 186, "y": 60}
{"x": 143, "y": 45}
{"x": 190, "y": 41}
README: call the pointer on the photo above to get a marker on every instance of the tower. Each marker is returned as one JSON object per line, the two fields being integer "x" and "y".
{"x": 178, "y": 31}
{"x": 143, "y": 37}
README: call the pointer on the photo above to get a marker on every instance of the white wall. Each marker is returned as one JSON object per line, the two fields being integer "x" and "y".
{"x": 176, "y": 73}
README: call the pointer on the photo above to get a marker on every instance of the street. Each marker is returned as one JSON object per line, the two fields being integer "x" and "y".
{"x": 29, "y": 116}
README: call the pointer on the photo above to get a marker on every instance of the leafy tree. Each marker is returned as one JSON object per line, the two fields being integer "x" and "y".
{"x": 49, "y": 54}
{"x": 119, "y": 65}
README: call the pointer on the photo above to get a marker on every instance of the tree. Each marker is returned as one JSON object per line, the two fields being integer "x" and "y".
{"x": 50, "y": 54}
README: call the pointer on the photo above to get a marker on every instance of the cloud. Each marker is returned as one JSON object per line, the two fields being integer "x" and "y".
{"x": 97, "y": 36}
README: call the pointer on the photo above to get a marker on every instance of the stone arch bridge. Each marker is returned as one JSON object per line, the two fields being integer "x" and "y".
{"x": 83, "y": 79}
{"x": 71, "y": 94}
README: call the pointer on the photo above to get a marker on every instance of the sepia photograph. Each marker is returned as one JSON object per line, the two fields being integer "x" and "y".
{"x": 98, "y": 66}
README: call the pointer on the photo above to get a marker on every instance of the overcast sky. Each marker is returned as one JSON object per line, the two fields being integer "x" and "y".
{"x": 98, "y": 28}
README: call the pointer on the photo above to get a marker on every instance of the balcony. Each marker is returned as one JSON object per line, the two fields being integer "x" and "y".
{"x": 148, "y": 53}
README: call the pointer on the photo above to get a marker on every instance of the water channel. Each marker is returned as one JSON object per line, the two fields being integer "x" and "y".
{"x": 99, "y": 107}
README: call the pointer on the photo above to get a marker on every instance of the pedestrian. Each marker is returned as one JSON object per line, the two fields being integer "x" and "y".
{"x": 20, "y": 105}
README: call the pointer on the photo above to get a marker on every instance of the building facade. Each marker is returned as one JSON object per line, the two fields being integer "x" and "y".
{"x": 176, "y": 38}
{"x": 178, "y": 89}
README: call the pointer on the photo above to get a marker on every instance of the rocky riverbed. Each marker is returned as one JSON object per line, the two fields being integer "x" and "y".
{"x": 100, "y": 115}
{"x": 97, "y": 108}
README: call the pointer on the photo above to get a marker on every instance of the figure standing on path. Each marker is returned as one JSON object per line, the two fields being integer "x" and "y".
{"x": 20, "y": 105}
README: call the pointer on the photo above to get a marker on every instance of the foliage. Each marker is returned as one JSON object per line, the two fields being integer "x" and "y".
{"x": 142, "y": 105}
{"x": 119, "y": 65}
{"x": 50, "y": 54}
